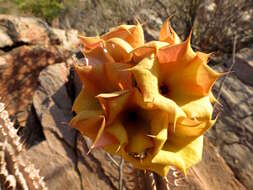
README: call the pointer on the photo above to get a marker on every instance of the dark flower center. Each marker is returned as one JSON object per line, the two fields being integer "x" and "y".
{"x": 164, "y": 89}
{"x": 130, "y": 116}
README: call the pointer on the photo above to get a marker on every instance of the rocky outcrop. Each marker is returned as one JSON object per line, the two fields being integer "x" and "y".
{"x": 27, "y": 45}
{"x": 233, "y": 132}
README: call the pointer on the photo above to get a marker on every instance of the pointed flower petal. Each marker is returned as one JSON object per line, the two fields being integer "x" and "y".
{"x": 167, "y": 34}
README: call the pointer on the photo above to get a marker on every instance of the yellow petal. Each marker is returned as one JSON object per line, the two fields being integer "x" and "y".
{"x": 159, "y": 129}
{"x": 192, "y": 128}
{"x": 187, "y": 130}
{"x": 85, "y": 101}
{"x": 113, "y": 103}
{"x": 89, "y": 123}
{"x": 181, "y": 158}
{"x": 118, "y": 131}
{"x": 138, "y": 143}
{"x": 145, "y": 75}
{"x": 119, "y": 49}
{"x": 167, "y": 34}
{"x": 199, "y": 108}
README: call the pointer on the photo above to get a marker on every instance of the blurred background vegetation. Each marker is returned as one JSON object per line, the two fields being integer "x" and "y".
{"x": 214, "y": 22}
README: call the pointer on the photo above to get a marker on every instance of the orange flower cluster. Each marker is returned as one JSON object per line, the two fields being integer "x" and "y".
{"x": 147, "y": 102}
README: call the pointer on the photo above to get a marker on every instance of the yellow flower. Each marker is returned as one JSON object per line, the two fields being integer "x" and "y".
{"x": 150, "y": 103}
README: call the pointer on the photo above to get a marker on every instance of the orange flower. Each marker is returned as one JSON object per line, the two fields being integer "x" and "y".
{"x": 118, "y": 41}
{"x": 150, "y": 103}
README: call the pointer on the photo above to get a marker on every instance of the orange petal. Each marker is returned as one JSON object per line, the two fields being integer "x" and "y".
{"x": 190, "y": 82}
{"x": 118, "y": 75}
{"x": 181, "y": 53}
{"x": 194, "y": 80}
{"x": 92, "y": 74}
{"x": 130, "y": 33}
{"x": 167, "y": 34}
{"x": 145, "y": 50}
{"x": 137, "y": 36}
{"x": 90, "y": 42}
{"x": 203, "y": 56}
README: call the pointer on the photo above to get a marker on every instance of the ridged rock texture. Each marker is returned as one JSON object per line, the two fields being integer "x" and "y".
{"x": 15, "y": 172}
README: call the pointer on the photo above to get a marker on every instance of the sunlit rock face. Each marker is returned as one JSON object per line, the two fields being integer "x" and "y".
{"x": 149, "y": 102}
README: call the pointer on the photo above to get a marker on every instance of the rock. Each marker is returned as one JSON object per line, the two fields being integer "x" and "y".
{"x": 212, "y": 172}
{"x": 5, "y": 40}
{"x": 68, "y": 38}
{"x": 27, "y": 30}
{"x": 233, "y": 132}
{"x": 19, "y": 72}
{"x": 53, "y": 104}
{"x": 244, "y": 66}
{"x": 27, "y": 46}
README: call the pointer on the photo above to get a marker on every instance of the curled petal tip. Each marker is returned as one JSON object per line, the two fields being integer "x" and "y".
{"x": 90, "y": 42}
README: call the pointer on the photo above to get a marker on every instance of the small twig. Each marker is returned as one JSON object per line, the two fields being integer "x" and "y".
{"x": 121, "y": 174}
{"x": 113, "y": 161}
{"x": 229, "y": 71}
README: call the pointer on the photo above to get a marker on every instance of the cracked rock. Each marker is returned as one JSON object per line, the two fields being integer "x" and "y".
{"x": 233, "y": 132}
{"x": 27, "y": 45}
